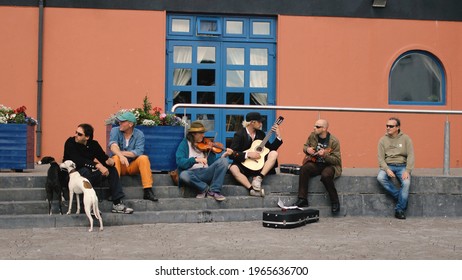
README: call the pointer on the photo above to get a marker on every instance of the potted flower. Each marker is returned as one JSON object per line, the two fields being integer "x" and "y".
{"x": 17, "y": 139}
{"x": 163, "y": 133}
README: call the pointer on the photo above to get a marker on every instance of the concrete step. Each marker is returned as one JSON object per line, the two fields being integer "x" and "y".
{"x": 23, "y": 203}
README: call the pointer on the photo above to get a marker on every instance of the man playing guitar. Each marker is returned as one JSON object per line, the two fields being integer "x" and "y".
{"x": 246, "y": 159}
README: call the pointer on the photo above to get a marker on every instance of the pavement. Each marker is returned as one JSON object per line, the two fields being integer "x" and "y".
{"x": 342, "y": 238}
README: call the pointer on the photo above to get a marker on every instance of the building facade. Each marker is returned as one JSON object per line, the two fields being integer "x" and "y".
{"x": 91, "y": 58}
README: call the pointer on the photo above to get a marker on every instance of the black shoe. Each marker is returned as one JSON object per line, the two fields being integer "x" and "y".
{"x": 149, "y": 195}
{"x": 400, "y": 215}
{"x": 301, "y": 202}
{"x": 335, "y": 208}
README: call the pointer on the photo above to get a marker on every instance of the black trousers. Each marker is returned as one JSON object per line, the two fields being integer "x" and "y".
{"x": 311, "y": 169}
{"x": 95, "y": 178}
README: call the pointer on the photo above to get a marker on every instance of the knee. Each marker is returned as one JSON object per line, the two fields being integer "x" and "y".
{"x": 382, "y": 176}
{"x": 184, "y": 177}
{"x": 273, "y": 154}
{"x": 143, "y": 159}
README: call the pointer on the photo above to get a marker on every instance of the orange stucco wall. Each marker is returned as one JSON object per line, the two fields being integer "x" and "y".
{"x": 98, "y": 61}
{"x": 339, "y": 62}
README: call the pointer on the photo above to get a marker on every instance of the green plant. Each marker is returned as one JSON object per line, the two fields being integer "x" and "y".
{"x": 17, "y": 116}
{"x": 149, "y": 116}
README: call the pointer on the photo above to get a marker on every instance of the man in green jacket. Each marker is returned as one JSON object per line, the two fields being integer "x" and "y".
{"x": 396, "y": 160}
{"x": 322, "y": 157}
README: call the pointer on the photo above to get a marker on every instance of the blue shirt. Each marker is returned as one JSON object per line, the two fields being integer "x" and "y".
{"x": 135, "y": 144}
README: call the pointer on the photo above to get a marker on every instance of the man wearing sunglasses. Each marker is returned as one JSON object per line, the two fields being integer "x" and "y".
{"x": 396, "y": 160}
{"x": 93, "y": 163}
{"x": 322, "y": 157}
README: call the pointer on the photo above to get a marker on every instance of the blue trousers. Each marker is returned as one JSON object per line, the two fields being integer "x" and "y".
{"x": 203, "y": 178}
{"x": 400, "y": 195}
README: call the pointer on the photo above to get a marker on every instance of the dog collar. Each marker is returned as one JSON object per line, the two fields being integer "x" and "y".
{"x": 72, "y": 171}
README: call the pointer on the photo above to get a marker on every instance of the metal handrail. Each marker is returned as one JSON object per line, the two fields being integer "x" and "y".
{"x": 339, "y": 109}
{"x": 310, "y": 108}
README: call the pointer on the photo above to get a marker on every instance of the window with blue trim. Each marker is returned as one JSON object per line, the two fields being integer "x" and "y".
{"x": 417, "y": 78}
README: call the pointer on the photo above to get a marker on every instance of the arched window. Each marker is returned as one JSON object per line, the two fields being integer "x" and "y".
{"x": 417, "y": 78}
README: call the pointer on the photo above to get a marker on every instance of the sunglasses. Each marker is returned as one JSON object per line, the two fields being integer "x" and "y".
{"x": 318, "y": 126}
{"x": 79, "y": 134}
{"x": 390, "y": 126}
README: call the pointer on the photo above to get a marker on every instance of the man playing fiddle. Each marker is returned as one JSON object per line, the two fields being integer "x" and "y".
{"x": 198, "y": 166}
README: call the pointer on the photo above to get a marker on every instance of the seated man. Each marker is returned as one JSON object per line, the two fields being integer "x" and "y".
{"x": 93, "y": 163}
{"x": 242, "y": 141}
{"x": 127, "y": 146}
{"x": 201, "y": 169}
{"x": 323, "y": 157}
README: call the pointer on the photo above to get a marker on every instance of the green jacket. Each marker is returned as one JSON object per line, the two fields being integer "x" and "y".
{"x": 396, "y": 150}
{"x": 334, "y": 157}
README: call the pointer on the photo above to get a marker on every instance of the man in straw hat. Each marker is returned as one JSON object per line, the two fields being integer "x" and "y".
{"x": 198, "y": 166}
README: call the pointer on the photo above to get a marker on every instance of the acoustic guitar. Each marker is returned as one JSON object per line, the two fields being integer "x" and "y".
{"x": 259, "y": 147}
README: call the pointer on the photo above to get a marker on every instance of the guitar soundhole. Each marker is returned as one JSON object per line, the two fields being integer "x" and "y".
{"x": 259, "y": 149}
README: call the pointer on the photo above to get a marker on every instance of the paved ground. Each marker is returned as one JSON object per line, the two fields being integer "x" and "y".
{"x": 346, "y": 238}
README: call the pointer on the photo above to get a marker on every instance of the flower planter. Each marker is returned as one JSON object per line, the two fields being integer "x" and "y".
{"x": 160, "y": 145}
{"x": 17, "y": 146}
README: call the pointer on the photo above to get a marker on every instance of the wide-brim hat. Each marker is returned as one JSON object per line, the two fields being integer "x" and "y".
{"x": 197, "y": 126}
{"x": 127, "y": 116}
{"x": 253, "y": 116}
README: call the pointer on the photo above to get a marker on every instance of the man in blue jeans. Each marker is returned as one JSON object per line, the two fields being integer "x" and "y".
{"x": 396, "y": 160}
{"x": 198, "y": 166}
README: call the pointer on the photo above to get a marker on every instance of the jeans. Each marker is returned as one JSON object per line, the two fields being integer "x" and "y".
{"x": 201, "y": 178}
{"x": 400, "y": 195}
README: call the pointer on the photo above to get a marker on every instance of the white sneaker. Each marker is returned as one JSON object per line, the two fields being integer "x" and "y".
{"x": 121, "y": 208}
{"x": 257, "y": 193}
{"x": 256, "y": 183}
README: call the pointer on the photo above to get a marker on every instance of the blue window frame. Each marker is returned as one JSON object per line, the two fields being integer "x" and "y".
{"x": 417, "y": 78}
{"x": 231, "y": 62}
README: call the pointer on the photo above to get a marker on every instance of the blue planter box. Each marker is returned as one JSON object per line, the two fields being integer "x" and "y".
{"x": 17, "y": 146}
{"x": 160, "y": 145}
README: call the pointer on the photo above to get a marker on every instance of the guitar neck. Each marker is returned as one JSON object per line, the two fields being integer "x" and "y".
{"x": 268, "y": 135}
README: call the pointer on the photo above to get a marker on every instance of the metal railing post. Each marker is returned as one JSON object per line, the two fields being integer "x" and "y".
{"x": 446, "y": 148}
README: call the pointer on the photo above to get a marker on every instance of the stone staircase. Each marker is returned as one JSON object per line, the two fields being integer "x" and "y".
{"x": 23, "y": 200}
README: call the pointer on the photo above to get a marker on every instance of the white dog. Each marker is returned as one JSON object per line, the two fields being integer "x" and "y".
{"x": 79, "y": 184}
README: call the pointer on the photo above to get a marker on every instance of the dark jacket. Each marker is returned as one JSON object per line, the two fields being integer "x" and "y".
{"x": 242, "y": 142}
{"x": 334, "y": 157}
{"x": 84, "y": 155}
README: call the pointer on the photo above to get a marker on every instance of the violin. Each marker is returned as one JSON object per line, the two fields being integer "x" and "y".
{"x": 208, "y": 145}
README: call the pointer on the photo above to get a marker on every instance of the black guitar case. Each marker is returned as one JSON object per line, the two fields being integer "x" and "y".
{"x": 290, "y": 218}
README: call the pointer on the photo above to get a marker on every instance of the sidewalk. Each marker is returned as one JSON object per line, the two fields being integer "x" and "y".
{"x": 349, "y": 238}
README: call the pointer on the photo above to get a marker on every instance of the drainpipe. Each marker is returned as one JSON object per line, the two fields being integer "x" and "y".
{"x": 38, "y": 148}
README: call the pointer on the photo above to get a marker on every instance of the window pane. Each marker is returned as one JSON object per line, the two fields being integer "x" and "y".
{"x": 261, "y": 28}
{"x": 258, "y": 57}
{"x": 208, "y": 26}
{"x": 182, "y": 77}
{"x": 234, "y": 78}
{"x": 235, "y": 98}
{"x": 416, "y": 77}
{"x": 233, "y": 123}
{"x": 208, "y": 120}
{"x": 206, "y": 77}
{"x": 205, "y": 97}
{"x": 234, "y": 27}
{"x": 182, "y": 54}
{"x": 258, "y": 79}
{"x": 258, "y": 98}
{"x": 235, "y": 56}
{"x": 181, "y": 97}
{"x": 206, "y": 55}
{"x": 180, "y": 25}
